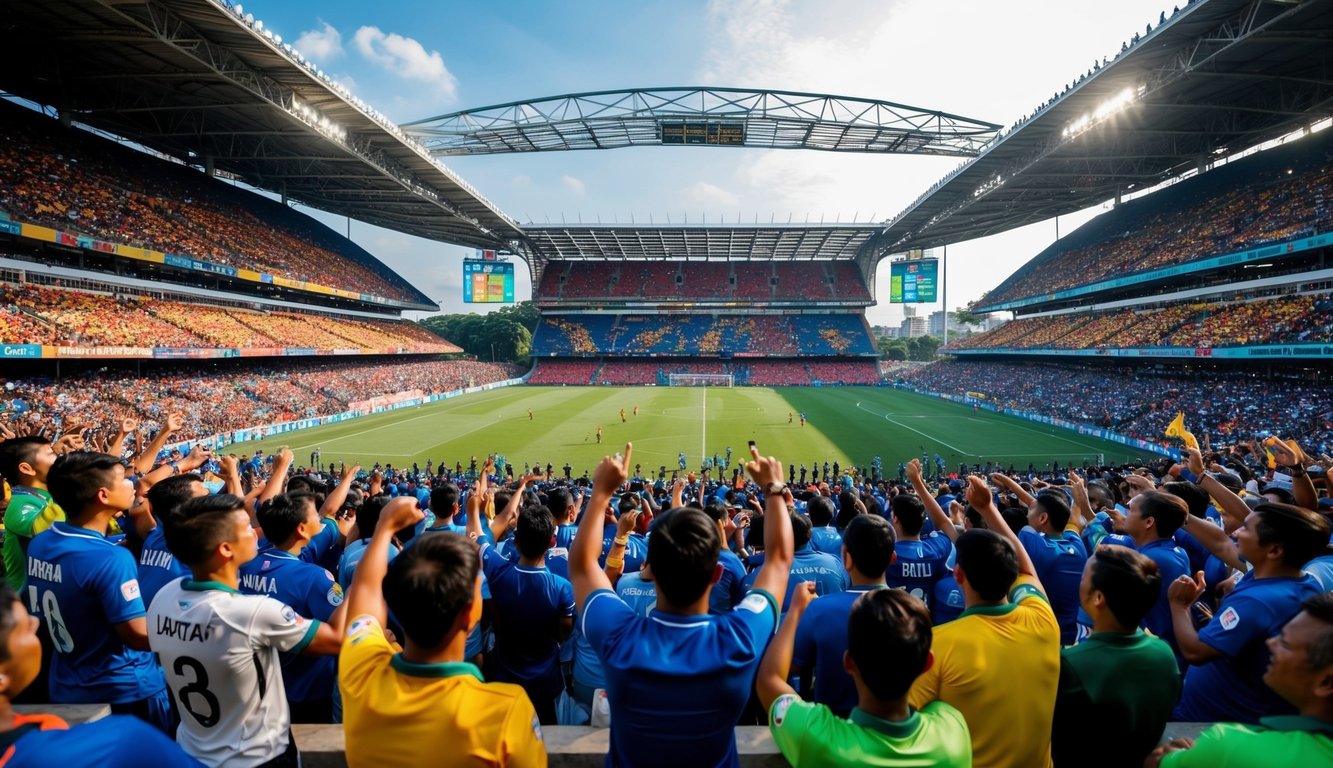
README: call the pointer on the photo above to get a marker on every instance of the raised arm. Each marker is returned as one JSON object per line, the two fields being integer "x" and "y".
{"x": 979, "y": 496}
{"x": 774, "y": 670}
{"x": 1289, "y": 456}
{"x": 937, "y": 516}
{"x": 1232, "y": 506}
{"x": 509, "y": 517}
{"x": 476, "y": 501}
{"x": 1011, "y": 485}
{"x": 779, "y": 547}
{"x": 365, "y": 596}
{"x": 584, "y": 573}
{"x": 1181, "y": 594}
{"x": 124, "y": 428}
{"x": 615, "y": 559}
{"x": 335, "y": 500}
{"x": 1081, "y": 504}
{"x": 277, "y": 479}
{"x": 144, "y": 461}
{"x": 1215, "y": 540}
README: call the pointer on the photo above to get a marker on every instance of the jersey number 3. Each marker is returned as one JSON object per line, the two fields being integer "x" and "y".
{"x": 197, "y": 693}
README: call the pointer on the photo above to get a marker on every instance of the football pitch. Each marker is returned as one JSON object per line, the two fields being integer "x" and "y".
{"x": 845, "y": 424}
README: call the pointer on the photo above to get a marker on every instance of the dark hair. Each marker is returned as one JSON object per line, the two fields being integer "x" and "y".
{"x": 7, "y": 599}
{"x": 910, "y": 512}
{"x": 1320, "y": 652}
{"x": 1056, "y": 507}
{"x": 974, "y": 517}
{"x": 166, "y": 496}
{"x": 429, "y": 583}
{"x": 800, "y": 530}
{"x": 558, "y": 500}
{"x": 988, "y": 561}
{"x": 1130, "y": 581}
{"x": 889, "y": 636}
{"x": 1195, "y": 498}
{"x": 532, "y": 535}
{"x": 443, "y": 499}
{"x": 368, "y": 515}
{"x": 1283, "y": 495}
{"x": 820, "y": 510}
{"x": 283, "y": 514}
{"x": 684, "y": 549}
{"x": 200, "y": 525}
{"x": 717, "y": 511}
{"x": 869, "y": 543}
{"x": 75, "y": 479}
{"x": 754, "y": 533}
{"x": 628, "y": 503}
{"x": 1015, "y": 517}
{"x": 1302, "y": 534}
{"x": 20, "y": 450}
{"x": 846, "y": 508}
{"x": 1166, "y": 508}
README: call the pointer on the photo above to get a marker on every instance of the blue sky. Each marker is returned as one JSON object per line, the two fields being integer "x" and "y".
{"x": 979, "y": 58}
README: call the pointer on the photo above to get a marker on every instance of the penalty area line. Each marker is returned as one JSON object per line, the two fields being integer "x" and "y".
{"x": 926, "y": 435}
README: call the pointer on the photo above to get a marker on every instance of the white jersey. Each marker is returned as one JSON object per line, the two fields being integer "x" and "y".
{"x": 219, "y": 650}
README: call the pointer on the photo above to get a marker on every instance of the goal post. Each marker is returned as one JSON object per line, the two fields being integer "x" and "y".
{"x": 700, "y": 379}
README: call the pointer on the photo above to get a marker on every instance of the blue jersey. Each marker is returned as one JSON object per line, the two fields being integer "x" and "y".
{"x": 310, "y": 591}
{"x": 730, "y": 587}
{"x": 1172, "y": 562}
{"x": 474, "y": 638}
{"x": 324, "y": 548}
{"x": 1231, "y": 688}
{"x": 352, "y": 557}
{"x": 827, "y": 540}
{"x": 636, "y": 552}
{"x": 157, "y": 566}
{"x": 529, "y": 605}
{"x": 677, "y": 684}
{"x": 639, "y": 595}
{"x": 82, "y": 585}
{"x": 1059, "y": 561}
{"x": 564, "y": 534}
{"x": 1197, "y": 552}
{"x": 808, "y": 565}
{"x": 118, "y": 741}
{"x": 821, "y": 641}
{"x": 1321, "y": 569}
{"x": 918, "y": 565}
{"x": 948, "y": 604}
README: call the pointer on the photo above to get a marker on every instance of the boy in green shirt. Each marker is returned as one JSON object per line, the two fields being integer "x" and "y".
{"x": 1121, "y": 676}
{"x": 24, "y": 462}
{"x": 888, "y": 647}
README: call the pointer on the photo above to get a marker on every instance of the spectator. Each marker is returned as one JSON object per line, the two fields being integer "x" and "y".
{"x": 1153, "y": 519}
{"x": 24, "y": 464}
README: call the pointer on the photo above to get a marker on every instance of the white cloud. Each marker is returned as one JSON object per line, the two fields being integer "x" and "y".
{"x": 321, "y": 44}
{"x": 574, "y": 184}
{"x": 406, "y": 58}
{"x": 711, "y": 194}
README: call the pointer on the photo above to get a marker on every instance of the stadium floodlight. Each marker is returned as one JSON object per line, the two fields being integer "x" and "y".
{"x": 1111, "y": 106}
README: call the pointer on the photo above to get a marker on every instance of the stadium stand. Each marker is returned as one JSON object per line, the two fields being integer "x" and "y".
{"x": 702, "y": 335}
{"x": 76, "y": 181}
{"x": 701, "y": 281}
{"x": 1269, "y": 197}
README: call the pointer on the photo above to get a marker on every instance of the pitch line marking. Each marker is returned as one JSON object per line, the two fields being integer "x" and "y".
{"x": 929, "y": 437}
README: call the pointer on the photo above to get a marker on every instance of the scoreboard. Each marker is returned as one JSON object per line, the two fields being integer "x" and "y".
{"x": 488, "y": 282}
{"x": 730, "y": 132}
{"x": 913, "y": 282}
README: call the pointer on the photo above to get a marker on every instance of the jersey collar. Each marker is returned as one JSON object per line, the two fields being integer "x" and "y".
{"x": 204, "y": 586}
{"x": 989, "y": 610}
{"x": 1297, "y": 723}
{"x": 442, "y": 669}
{"x": 898, "y": 730}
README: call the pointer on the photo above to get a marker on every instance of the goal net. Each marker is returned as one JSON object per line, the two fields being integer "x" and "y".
{"x": 699, "y": 379}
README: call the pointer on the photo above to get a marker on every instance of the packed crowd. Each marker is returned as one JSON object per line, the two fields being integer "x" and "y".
{"x": 1305, "y": 318}
{"x": 74, "y": 181}
{"x": 34, "y": 314}
{"x": 1223, "y": 407}
{"x": 442, "y": 613}
{"x": 576, "y": 281}
{"x": 760, "y": 373}
{"x": 1270, "y": 197}
{"x": 224, "y": 398}
{"x": 703, "y": 335}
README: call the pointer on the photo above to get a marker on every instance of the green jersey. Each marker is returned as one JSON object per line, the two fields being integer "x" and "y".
{"x": 1288, "y": 739}
{"x": 811, "y": 736}
{"x": 30, "y": 512}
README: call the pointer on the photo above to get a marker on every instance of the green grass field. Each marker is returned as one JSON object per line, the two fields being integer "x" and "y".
{"x": 848, "y": 424}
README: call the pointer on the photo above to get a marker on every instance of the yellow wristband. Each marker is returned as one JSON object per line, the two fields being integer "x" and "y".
{"x": 615, "y": 563}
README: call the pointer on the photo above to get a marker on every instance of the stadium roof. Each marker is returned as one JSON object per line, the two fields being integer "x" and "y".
{"x": 733, "y": 117}
{"x": 739, "y": 243}
{"x": 193, "y": 80}
{"x": 1218, "y": 77}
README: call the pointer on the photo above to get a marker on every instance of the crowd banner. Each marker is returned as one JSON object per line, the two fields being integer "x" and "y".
{"x": 1051, "y": 421}
{"x": 1301, "y": 351}
{"x": 20, "y": 350}
{"x": 407, "y": 400}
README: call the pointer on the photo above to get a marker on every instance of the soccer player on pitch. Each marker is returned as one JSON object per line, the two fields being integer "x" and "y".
{"x": 220, "y": 648}
{"x": 678, "y": 679}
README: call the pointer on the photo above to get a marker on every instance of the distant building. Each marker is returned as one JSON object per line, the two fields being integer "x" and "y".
{"x": 913, "y": 327}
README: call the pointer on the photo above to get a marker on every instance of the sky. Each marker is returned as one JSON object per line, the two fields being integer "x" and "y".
{"x": 993, "y": 61}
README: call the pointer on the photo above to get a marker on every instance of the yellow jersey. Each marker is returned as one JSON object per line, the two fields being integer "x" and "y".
{"x": 1000, "y": 666}
{"x": 399, "y": 713}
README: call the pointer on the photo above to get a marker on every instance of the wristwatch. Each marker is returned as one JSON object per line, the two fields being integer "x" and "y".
{"x": 775, "y": 489}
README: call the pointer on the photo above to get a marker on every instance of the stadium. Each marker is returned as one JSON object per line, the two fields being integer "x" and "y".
{"x": 173, "y": 296}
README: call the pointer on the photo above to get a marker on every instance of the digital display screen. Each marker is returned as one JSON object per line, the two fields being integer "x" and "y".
{"x": 913, "y": 282}
{"x": 488, "y": 282}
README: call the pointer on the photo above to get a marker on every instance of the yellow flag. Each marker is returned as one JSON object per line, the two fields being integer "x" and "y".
{"x": 1177, "y": 429}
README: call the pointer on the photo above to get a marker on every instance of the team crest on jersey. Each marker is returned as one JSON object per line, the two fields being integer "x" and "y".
{"x": 335, "y": 595}
{"x": 1229, "y": 618}
{"x": 780, "y": 708}
{"x": 754, "y": 603}
{"x": 537, "y": 728}
{"x": 130, "y": 590}
{"x": 288, "y": 615}
{"x": 361, "y": 624}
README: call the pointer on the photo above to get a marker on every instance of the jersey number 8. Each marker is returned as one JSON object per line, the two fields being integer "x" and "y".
{"x": 197, "y": 693}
